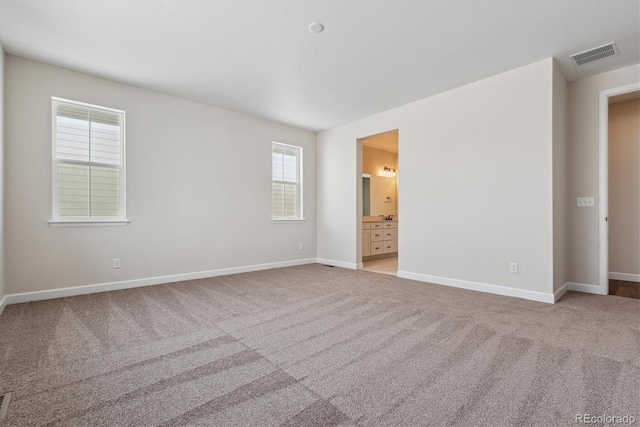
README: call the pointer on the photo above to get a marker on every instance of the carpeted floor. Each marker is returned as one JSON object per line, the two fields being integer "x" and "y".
{"x": 314, "y": 345}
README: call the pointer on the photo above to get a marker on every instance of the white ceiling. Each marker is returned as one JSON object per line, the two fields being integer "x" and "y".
{"x": 258, "y": 58}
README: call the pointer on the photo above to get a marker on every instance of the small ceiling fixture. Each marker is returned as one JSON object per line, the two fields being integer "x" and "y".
{"x": 316, "y": 27}
{"x": 389, "y": 172}
{"x": 595, "y": 54}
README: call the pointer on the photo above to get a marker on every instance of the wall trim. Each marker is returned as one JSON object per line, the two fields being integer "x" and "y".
{"x": 159, "y": 280}
{"x": 334, "y": 263}
{"x": 628, "y": 277}
{"x": 481, "y": 287}
{"x": 560, "y": 292}
{"x": 583, "y": 287}
{"x": 150, "y": 281}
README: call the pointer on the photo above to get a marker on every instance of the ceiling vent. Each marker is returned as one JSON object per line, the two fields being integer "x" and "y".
{"x": 595, "y": 54}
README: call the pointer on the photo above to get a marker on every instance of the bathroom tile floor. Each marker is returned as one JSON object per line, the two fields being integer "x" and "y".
{"x": 384, "y": 266}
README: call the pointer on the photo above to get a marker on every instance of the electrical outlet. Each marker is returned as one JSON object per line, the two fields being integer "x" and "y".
{"x": 116, "y": 263}
{"x": 301, "y": 247}
{"x": 585, "y": 202}
{"x": 513, "y": 268}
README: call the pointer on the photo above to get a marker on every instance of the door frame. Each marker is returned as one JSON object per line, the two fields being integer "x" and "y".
{"x": 603, "y": 191}
{"x": 359, "y": 263}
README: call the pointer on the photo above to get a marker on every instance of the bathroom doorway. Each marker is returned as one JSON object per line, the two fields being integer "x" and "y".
{"x": 623, "y": 189}
{"x": 378, "y": 178}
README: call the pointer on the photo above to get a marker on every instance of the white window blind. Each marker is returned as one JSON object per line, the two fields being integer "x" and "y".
{"x": 88, "y": 162}
{"x": 286, "y": 182}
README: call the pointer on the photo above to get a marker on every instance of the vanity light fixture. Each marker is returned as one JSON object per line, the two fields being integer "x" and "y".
{"x": 388, "y": 172}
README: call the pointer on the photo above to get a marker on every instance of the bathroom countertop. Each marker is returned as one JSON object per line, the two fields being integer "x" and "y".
{"x": 375, "y": 219}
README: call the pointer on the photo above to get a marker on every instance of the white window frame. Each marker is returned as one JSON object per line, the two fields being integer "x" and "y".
{"x": 82, "y": 220}
{"x": 299, "y": 190}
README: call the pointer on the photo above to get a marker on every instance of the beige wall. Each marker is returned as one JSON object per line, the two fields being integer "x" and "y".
{"x": 583, "y": 146}
{"x": 474, "y": 197}
{"x": 2, "y": 256}
{"x": 624, "y": 187}
{"x": 198, "y": 187}
{"x": 374, "y": 161}
{"x": 381, "y": 188}
{"x": 560, "y": 172}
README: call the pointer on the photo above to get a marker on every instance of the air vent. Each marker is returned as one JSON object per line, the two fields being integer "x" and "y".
{"x": 595, "y": 54}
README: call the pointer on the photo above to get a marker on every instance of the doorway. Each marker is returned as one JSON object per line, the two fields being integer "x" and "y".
{"x": 377, "y": 198}
{"x": 620, "y": 191}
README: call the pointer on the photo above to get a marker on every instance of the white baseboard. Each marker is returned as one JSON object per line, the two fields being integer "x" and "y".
{"x": 482, "y": 287}
{"x": 360, "y": 265}
{"x": 349, "y": 265}
{"x": 560, "y": 292}
{"x": 582, "y": 287}
{"x": 127, "y": 284}
{"x": 627, "y": 277}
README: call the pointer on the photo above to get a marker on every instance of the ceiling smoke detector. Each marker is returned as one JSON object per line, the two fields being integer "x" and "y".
{"x": 316, "y": 27}
{"x": 595, "y": 54}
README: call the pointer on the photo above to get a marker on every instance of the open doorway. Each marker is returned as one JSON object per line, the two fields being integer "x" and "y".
{"x": 619, "y": 225}
{"x": 623, "y": 194}
{"x": 378, "y": 178}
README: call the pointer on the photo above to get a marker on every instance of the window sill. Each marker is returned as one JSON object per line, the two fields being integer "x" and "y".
{"x": 105, "y": 223}
{"x": 288, "y": 221}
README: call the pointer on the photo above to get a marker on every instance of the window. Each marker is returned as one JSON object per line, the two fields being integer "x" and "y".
{"x": 286, "y": 182}
{"x": 88, "y": 163}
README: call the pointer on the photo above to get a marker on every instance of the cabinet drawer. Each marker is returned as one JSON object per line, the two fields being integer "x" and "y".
{"x": 389, "y": 247}
{"x": 376, "y": 225}
{"x": 366, "y": 226}
{"x": 376, "y": 235}
{"x": 376, "y": 248}
{"x": 390, "y": 225}
{"x": 389, "y": 234}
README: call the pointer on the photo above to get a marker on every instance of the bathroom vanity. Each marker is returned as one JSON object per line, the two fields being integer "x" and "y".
{"x": 379, "y": 235}
{"x": 379, "y": 238}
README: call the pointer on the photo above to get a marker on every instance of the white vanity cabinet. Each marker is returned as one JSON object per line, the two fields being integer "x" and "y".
{"x": 379, "y": 238}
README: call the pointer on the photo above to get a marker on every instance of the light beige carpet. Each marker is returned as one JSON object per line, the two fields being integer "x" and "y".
{"x": 314, "y": 345}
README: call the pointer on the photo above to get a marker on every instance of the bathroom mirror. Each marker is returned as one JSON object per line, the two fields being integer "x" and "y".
{"x": 378, "y": 195}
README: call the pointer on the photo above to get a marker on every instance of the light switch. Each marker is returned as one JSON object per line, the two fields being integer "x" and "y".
{"x": 584, "y": 202}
